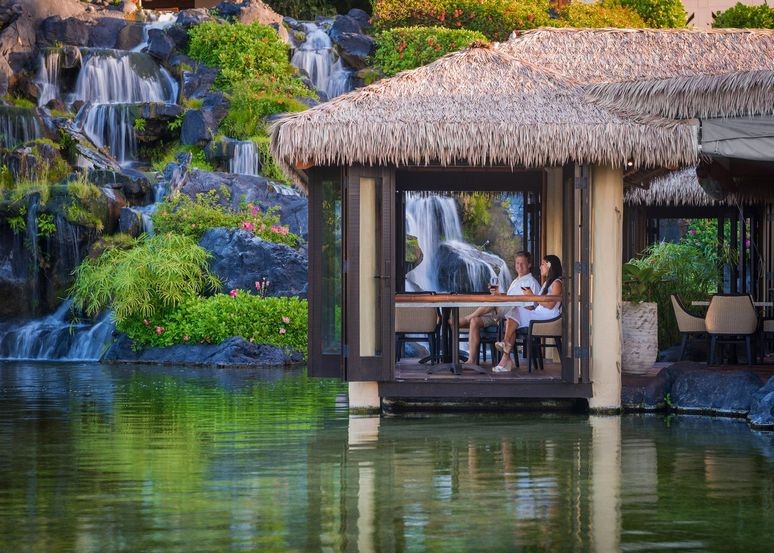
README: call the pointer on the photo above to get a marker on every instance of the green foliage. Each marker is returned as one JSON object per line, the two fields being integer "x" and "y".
{"x": 88, "y": 205}
{"x": 660, "y": 14}
{"x": 303, "y": 9}
{"x": 139, "y": 124}
{"x": 741, "y": 16}
{"x": 46, "y": 226}
{"x": 154, "y": 277}
{"x": 159, "y": 158}
{"x": 180, "y": 214}
{"x": 240, "y": 51}
{"x": 254, "y": 100}
{"x": 640, "y": 281}
{"x": 409, "y": 47}
{"x": 496, "y": 19}
{"x": 214, "y": 319}
{"x": 269, "y": 167}
{"x": 18, "y": 102}
{"x": 176, "y": 123}
{"x": 18, "y": 222}
{"x": 601, "y": 14}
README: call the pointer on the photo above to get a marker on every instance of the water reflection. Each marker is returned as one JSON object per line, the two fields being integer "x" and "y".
{"x": 144, "y": 459}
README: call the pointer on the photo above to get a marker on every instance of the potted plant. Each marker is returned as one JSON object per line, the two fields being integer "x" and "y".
{"x": 639, "y": 317}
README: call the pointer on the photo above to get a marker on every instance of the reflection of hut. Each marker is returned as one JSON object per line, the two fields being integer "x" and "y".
{"x": 504, "y": 118}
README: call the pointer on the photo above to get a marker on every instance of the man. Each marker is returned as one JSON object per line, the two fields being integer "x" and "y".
{"x": 524, "y": 283}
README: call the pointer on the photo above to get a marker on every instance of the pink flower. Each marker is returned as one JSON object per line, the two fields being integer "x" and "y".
{"x": 159, "y": 329}
{"x": 255, "y": 210}
{"x": 282, "y": 331}
{"x": 185, "y": 338}
{"x": 286, "y": 320}
{"x": 247, "y": 225}
{"x": 692, "y": 232}
{"x": 257, "y": 285}
{"x": 146, "y": 321}
{"x": 233, "y": 293}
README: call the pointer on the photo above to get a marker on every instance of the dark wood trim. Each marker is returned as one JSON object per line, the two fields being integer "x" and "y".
{"x": 478, "y": 298}
{"x": 453, "y": 390}
{"x": 584, "y": 228}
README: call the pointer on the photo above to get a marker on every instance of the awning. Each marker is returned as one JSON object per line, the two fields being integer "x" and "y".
{"x": 750, "y": 138}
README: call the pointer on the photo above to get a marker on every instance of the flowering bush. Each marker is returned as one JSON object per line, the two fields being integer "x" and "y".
{"x": 496, "y": 19}
{"x": 264, "y": 320}
{"x": 180, "y": 214}
{"x": 409, "y": 47}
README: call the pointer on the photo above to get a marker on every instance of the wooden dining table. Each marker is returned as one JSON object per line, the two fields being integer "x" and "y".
{"x": 454, "y": 302}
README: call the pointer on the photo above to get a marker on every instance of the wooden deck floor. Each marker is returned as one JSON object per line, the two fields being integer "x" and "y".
{"x": 411, "y": 370}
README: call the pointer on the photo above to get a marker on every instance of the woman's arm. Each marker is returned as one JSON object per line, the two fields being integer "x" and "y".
{"x": 554, "y": 290}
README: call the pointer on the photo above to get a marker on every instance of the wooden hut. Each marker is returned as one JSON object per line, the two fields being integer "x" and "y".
{"x": 485, "y": 118}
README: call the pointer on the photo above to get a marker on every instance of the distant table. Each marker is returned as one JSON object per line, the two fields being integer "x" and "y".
{"x": 705, "y": 303}
{"x": 455, "y": 301}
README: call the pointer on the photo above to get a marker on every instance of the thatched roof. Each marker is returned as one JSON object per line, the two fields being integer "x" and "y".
{"x": 670, "y": 72}
{"x": 478, "y": 107}
{"x": 676, "y": 188}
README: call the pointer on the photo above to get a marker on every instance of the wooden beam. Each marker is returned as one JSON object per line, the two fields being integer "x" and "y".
{"x": 456, "y": 390}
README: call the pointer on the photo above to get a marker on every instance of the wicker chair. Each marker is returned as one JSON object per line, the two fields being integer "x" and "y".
{"x": 731, "y": 319}
{"x": 688, "y": 325}
{"x": 539, "y": 331}
{"x": 417, "y": 324}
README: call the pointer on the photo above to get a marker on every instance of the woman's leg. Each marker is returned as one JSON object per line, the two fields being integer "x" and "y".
{"x": 511, "y": 326}
{"x": 474, "y": 339}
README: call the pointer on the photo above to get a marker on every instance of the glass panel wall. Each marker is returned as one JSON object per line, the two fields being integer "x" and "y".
{"x": 331, "y": 267}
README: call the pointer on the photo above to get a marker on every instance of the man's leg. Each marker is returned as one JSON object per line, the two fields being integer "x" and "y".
{"x": 474, "y": 339}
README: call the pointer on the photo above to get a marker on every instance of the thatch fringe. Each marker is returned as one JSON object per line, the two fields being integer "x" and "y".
{"x": 729, "y": 95}
{"x": 477, "y": 107}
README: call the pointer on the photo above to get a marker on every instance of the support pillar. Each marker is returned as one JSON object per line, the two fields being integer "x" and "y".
{"x": 364, "y": 397}
{"x": 606, "y": 267}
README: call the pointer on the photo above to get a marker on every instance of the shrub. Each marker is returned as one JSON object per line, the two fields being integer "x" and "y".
{"x": 602, "y": 14}
{"x": 658, "y": 13}
{"x": 88, "y": 206}
{"x": 180, "y": 214}
{"x": 745, "y": 17}
{"x": 496, "y": 19}
{"x": 154, "y": 277}
{"x": 254, "y": 100}
{"x": 409, "y": 47}
{"x": 160, "y": 157}
{"x": 278, "y": 321}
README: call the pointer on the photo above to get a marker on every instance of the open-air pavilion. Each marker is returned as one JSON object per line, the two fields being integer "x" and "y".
{"x": 570, "y": 116}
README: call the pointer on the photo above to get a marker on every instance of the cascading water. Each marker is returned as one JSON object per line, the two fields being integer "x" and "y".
{"x": 317, "y": 58}
{"x": 164, "y": 20}
{"x": 55, "y": 337}
{"x": 435, "y": 222}
{"x": 17, "y": 126}
{"x": 111, "y": 127}
{"x": 48, "y": 76}
{"x": 246, "y": 160}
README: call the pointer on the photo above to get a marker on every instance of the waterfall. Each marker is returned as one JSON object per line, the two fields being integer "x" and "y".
{"x": 111, "y": 127}
{"x": 246, "y": 160}
{"x": 164, "y": 20}
{"x": 319, "y": 60}
{"x": 17, "y": 126}
{"x": 435, "y": 222}
{"x": 55, "y": 338}
{"x": 48, "y": 76}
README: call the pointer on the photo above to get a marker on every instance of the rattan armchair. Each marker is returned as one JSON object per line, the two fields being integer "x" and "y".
{"x": 539, "y": 331}
{"x": 688, "y": 325}
{"x": 731, "y": 319}
{"x": 417, "y": 324}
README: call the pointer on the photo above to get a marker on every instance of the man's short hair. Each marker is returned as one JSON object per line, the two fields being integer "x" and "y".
{"x": 526, "y": 255}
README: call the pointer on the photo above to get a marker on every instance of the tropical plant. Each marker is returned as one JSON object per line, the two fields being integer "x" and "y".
{"x": 658, "y": 13}
{"x": 640, "y": 281}
{"x": 741, "y": 16}
{"x": 409, "y": 47}
{"x": 153, "y": 277}
{"x": 601, "y": 14}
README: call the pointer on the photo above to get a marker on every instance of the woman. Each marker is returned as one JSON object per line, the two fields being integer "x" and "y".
{"x": 551, "y": 275}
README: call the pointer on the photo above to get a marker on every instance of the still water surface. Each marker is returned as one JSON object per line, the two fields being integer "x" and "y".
{"x": 96, "y": 458}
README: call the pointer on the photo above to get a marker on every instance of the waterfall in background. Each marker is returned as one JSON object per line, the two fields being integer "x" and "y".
{"x": 246, "y": 160}
{"x": 55, "y": 337}
{"x": 110, "y": 126}
{"x": 436, "y": 224}
{"x": 47, "y": 78}
{"x": 17, "y": 126}
{"x": 164, "y": 20}
{"x": 317, "y": 58}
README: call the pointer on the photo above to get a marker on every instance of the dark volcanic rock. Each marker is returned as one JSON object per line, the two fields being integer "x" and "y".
{"x": 129, "y": 36}
{"x": 130, "y": 222}
{"x": 192, "y": 17}
{"x": 259, "y": 191}
{"x": 362, "y": 18}
{"x": 355, "y": 48}
{"x": 645, "y": 394}
{"x": 200, "y": 125}
{"x": 235, "y": 352}
{"x": 197, "y": 78}
{"x": 55, "y": 30}
{"x": 343, "y": 24}
{"x": 240, "y": 258}
{"x": 160, "y": 46}
{"x": 703, "y": 390}
{"x": 105, "y": 32}
{"x": 761, "y": 413}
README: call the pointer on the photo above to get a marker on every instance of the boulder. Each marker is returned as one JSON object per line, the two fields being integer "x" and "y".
{"x": 702, "y": 390}
{"x": 105, "y": 32}
{"x": 157, "y": 117}
{"x": 343, "y": 24}
{"x": 160, "y": 45}
{"x": 32, "y": 161}
{"x": 239, "y": 259}
{"x": 130, "y": 36}
{"x": 192, "y": 17}
{"x": 250, "y": 11}
{"x": 198, "y": 79}
{"x": 645, "y": 394}
{"x": 761, "y": 413}
{"x": 233, "y": 352}
{"x": 55, "y": 30}
{"x": 259, "y": 191}
{"x": 179, "y": 36}
{"x": 134, "y": 185}
{"x": 200, "y": 125}
{"x": 130, "y": 222}
{"x": 362, "y": 18}
{"x": 355, "y": 49}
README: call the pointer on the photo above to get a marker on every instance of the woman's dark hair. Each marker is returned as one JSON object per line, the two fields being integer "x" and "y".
{"x": 554, "y": 271}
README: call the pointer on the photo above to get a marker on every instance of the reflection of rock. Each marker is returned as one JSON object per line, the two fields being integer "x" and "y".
{"x": 240, "y": 258}
{"x": 234, "y": 351}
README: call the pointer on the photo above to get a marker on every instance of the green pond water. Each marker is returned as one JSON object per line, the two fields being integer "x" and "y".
{"x": 97, "y": 458}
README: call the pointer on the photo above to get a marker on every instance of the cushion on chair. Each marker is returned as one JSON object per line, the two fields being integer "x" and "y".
{"x": 685, "y": 321}
{"x": 416, "y": 319}
{"x": 549, "y": 328}
{"x": 731, "y": 315}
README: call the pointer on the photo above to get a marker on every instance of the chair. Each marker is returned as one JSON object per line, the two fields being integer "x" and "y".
{"x": 488, "y": 335}
{"x": 688, "y": 325}
{"x": 417, "y": 324}
{"x": 768, "y": 334}
{"x": 539, "y": 331}
{"x": 731, "y": 319}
